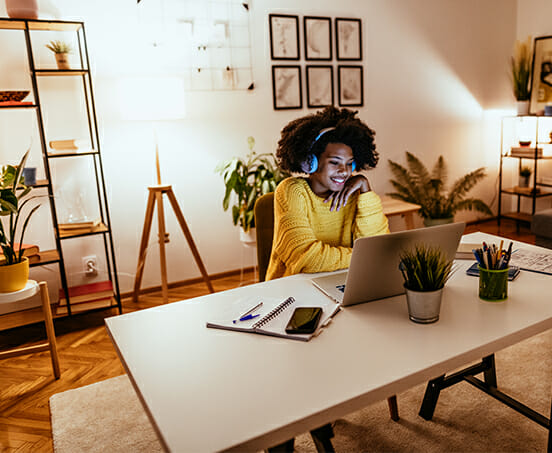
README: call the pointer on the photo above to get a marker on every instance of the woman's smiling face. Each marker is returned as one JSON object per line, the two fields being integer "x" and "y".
{"x": 334, "y": 168}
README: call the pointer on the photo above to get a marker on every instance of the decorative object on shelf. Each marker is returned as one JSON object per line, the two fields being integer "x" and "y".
{"x": 61, "y": 50}
{"x": 520, "y": 65}
{"x": 548, "y": 110}
{"x": 415, "y": 184}
{"x": 319, "y": 86}
{"x": 541, "y": 85}
{"x": 14, "y": 267}
{"x": 13, "y": 96}
{"x": 284, "y": 36}
{"x": 29, "y": 176}
{"x": 525, "y": 151}
{"x": 524, "y": 174}
{"x": 425, "y": 271}
{"x": 318, "y": 38}
{"x": 350, "y": 86}
{"x": 286, "y": 87}
{"x": 525, "y": 143}
{"x": 248, "y": 179}
{"x": 22, "y": 9}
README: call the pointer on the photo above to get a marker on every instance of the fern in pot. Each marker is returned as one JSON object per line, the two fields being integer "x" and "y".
{"x": 14, "y": 267}
{"x": 425, "y": 270}
{"x": 416, "y": 184}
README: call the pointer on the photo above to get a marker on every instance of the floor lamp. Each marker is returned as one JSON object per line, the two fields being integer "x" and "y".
{"x": 168, "y": 108}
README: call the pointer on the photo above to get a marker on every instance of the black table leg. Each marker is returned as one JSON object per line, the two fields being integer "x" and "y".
{"x": 431, "y": 396}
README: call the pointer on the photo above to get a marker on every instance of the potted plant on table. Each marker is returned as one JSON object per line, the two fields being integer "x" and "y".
{"x": 425, "y": 271}
{"x": 520, "y": 65}
{"x": 248, "y": 179}
{"x": 61, "y": 50}
{"x": 415, "y": 184}
{"x": 14, "y": 267}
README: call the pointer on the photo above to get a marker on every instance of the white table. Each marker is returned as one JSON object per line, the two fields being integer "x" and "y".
{"x": 210, "y": 390}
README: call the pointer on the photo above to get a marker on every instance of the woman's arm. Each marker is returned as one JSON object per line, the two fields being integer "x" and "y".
{"x": 370, "y": 219}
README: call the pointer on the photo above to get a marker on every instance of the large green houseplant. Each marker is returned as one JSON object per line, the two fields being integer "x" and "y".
{"x": 248, "y": 179}
{"x": 13, "y": 225}
{"x": 415, "y": 184}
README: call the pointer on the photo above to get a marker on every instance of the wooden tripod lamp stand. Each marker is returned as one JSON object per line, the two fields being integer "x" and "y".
{"x": 156, "y": 196}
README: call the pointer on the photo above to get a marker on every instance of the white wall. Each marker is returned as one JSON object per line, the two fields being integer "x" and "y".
{"x": 434, "y": 72}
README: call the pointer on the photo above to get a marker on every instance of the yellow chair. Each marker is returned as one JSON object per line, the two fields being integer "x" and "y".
{"x": 264, "y": 223}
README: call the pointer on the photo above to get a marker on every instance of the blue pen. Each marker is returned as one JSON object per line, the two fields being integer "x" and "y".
{"x": 244, "y": 317}
{"x": 248, "y": 317}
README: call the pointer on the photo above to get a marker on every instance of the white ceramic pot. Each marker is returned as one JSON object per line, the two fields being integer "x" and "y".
{"x": 249, "y": 238}
{"x": 524, "y": 181}
{"x": 424, "y": 306}
{"x": 522, "y": 108}
{"x": 22, "y": 9}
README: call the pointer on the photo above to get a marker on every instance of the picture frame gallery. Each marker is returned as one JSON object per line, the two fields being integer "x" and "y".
{"x": 318, "y": 45}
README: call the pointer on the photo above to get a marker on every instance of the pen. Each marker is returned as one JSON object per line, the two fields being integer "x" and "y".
{"x": 248, "y": 317}
{"x": 251, "y": 310}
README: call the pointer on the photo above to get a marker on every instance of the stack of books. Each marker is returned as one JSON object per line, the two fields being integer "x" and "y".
{"x": 78, "y": 227}
{"x": 525, "y": 151}
{"x": 31, "y": 251}
{"x": 70, "y": 146}
{"x": 86, "y": 297}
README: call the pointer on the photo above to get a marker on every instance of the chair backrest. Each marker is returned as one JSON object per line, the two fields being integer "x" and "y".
{"x": 264, "y": 224}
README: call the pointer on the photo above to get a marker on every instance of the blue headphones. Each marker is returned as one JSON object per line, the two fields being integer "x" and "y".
{"x": 310, "y": 165}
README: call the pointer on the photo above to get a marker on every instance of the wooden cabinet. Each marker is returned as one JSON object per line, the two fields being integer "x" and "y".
{"x": 33, "y": 35}
{"x": 526, "y": 141}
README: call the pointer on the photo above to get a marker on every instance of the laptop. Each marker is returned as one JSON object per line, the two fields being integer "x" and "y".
{"x": 374, "y": 270}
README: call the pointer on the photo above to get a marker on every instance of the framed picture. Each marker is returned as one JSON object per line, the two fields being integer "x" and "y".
{"x": 318, "y": 38}
{"x": 541, "y": 84}
{"x": 319, "y": 86}
{"x": 350, "y": 86}
{"x": 284, "y": 37}
{"x": 348, "y": 35}
{"x": 286, "y": 87}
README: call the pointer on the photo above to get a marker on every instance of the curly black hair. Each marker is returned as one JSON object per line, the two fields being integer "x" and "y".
{"x": 298, "y": 140}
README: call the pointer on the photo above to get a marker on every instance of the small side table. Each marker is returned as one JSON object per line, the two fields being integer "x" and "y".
{"x": 30, "y": 290}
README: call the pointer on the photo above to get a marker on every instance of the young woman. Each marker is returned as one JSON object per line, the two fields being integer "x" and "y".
{"x": 318, "y": 217}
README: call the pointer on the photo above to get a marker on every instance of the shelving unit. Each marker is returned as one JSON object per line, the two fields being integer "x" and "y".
{"x": 537, "y": 131}
{"x": 28, "y": 27}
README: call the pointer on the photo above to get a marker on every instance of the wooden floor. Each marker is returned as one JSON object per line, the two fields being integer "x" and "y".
{"x": 87, "y": 356}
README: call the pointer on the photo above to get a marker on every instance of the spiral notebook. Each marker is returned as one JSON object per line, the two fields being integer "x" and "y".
{"x": 273, "y": 318}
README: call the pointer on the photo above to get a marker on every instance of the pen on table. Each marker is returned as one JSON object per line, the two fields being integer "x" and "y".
{"x": 248, "y": 312}
{"x": 248, "y": 317}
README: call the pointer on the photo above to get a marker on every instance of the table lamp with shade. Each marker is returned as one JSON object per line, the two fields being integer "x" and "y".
{"x": 155, "y": 99}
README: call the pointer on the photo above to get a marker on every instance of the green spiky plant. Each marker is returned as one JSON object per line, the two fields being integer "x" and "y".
{"x": 525, "y": 172}
{"x": 415, "y": 184}
{"x": 12, "y": 192}
{"x": 520, "y": 66}
{"x": 59, "y": 47}
{"x": 248, "y": 179}
{"x": 425, "y": 268}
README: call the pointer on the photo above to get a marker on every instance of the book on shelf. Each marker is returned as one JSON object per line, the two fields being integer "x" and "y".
{"x": 28, "y": 249}
{"x": 70, "y": 145}
{"x": 85, "y": 306}
{"x": 525, "y": 151}
{"x": 87, "y": 293}
{"x": 79, "y": 224}
{"x": 271, "y": 317}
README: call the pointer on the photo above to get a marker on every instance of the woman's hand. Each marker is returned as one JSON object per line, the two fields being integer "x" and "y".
{"x": 354, "y": 183}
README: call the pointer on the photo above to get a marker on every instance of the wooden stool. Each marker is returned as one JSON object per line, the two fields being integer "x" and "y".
{"x": 30, "y": 290}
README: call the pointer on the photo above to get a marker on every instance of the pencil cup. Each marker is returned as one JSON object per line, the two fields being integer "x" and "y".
{"x": 493, "y": 284}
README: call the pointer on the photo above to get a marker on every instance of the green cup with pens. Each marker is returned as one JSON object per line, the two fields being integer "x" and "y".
{"x": 493, "y": 271}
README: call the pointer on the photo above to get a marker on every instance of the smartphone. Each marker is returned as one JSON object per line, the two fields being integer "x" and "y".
{"x": 304, "y": 320}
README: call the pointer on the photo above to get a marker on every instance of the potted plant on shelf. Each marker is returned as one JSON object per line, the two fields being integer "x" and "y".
{"x": 524, "y": 174}
{"x": 520, "y": 65}
{"x": 14, "y": 267}
{"x": 61, "y": 50}
{"x": 248, "y": 179}
{"x": 415, "y": 184}
{"x": 425, "y": 271}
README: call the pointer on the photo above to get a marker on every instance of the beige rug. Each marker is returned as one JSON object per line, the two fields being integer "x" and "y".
{"x": 107, "y": 416}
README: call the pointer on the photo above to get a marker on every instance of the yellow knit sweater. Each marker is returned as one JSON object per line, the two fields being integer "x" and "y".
{"x": 308, "y": 237}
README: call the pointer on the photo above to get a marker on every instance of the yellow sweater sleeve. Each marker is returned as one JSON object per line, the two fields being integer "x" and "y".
{"x": 297, "y": 247}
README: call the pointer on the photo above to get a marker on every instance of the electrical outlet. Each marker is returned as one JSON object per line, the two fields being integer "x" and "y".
{"x": 90, "y": 265}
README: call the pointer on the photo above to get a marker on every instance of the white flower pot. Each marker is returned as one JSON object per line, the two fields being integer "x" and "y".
{"x": 424, "y": 306}
{"x": 249, "y": 238}
{"x": 522, "y": 108}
